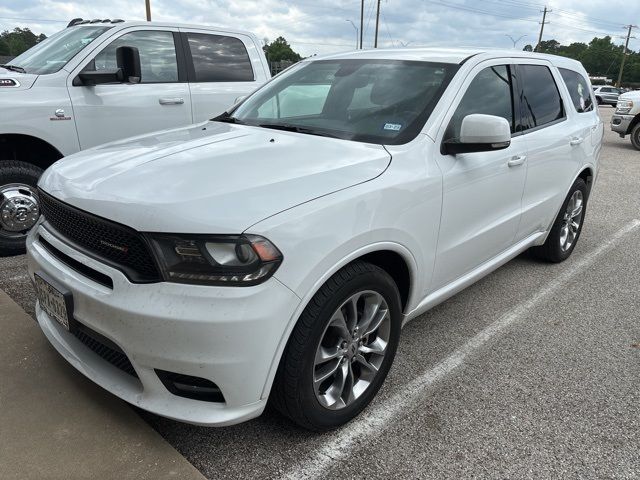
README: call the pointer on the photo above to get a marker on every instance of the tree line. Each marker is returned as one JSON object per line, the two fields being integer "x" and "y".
{"x": 600, "y": 57}
{"x": 13, "y": 43}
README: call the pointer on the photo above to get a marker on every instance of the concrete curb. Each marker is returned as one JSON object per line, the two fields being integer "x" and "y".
{"x": 56, "y": 424}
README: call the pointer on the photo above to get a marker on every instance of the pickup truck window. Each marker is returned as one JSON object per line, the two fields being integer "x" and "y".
{"x": 53, "y": 53}
{"x": 157, "y": 55}
{"x": 219, "y": 58}
{"x": 578, "y": 89}
{"x": 364, "y": 100}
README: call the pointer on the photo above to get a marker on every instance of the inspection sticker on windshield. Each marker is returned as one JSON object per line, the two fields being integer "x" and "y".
{"x": 392, "y": 126}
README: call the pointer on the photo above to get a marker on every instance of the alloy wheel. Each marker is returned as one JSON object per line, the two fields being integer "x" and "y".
{"x": 571, "y": 221}
{"x": 351, "y": 350}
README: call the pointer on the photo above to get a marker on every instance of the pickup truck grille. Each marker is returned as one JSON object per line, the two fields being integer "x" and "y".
{"x": 114, "y": 244}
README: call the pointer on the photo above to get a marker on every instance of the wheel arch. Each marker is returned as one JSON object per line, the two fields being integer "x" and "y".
{"x": 633, "y": 123}
{"x": 384, "y": 255}
{"x": 29, "y": 149}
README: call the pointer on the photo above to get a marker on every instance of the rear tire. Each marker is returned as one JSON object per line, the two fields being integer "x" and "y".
{"x": 328, "y": 374}
{"x": 18, "y": 204}
{"x": 599, "y": 100}
{"x": 567, "y": 227}
{"x": 635, "y": 136}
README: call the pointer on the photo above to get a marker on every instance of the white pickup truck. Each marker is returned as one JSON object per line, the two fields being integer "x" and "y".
{"x": 626, "y": 119}
{"x": 103, "y": 80}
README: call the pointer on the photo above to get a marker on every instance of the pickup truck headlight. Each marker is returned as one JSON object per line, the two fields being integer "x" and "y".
{"x": 624, "y": 106}
{"x": 233, "y": 260}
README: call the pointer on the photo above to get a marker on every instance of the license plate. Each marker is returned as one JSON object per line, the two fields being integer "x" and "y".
{"x": 53, "y": 301}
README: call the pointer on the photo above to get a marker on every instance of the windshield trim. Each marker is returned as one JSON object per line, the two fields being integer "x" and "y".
{"x": 417, "y": 126}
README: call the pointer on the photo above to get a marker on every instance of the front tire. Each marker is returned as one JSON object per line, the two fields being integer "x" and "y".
{"x": 567, "y": 227}
{"x": 341, "y": 349}
{"x": 635, "y": 136}
{"x": 19, "y": 206}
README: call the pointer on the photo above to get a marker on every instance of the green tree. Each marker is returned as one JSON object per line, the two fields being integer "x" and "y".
{"x": 280, "y": 50}
{"x": 13, "y": 43}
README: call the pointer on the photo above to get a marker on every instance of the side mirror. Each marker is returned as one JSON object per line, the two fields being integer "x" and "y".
{"x": 128, "y": 71}
{"x": 128, "y": 60}
{"x": 480, "y": 133}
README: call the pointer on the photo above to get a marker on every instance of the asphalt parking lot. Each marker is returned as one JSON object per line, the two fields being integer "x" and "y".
{"x": 533, "y": 372}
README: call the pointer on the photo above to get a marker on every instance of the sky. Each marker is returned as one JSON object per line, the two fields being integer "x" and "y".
{"x": 321, "y": 27}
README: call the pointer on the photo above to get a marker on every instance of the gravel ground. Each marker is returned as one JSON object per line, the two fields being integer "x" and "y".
{"x": 552, "y": 393}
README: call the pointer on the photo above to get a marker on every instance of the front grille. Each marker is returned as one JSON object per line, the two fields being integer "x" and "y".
{"x": 110, "y": 242}
{"x": 104, "y": 348}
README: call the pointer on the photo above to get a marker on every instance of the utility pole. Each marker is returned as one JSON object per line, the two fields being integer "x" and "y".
{"x": 148, "y": 5}
{"x": 624, "y": 54}
{"x": 375, "y": 42}
{"x": 544, "y": 17}
{"x": 361, "y": 21}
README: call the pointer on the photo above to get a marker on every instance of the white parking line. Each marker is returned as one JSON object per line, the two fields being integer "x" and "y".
{"x": 22, "y": 276}
{"x": 340, "y": 443}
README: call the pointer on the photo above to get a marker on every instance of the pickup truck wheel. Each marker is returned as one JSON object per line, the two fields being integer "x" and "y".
{"x": 340, "y": 350}
{"x": 566, "y": 229}
{"x": 19, "y": 206}
{"x": 635, "y": 136}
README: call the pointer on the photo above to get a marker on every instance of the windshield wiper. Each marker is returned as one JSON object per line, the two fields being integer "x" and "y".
{"x": 227, "y": 118}
{"x": 295, "y": 128}
{"x": 14, "y": 68}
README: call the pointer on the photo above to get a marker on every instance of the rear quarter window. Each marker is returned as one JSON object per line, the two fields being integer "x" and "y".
{"x": 578, "y": 90}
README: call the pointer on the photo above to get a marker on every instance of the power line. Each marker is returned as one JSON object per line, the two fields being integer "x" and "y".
{"x": 36, "y": 20}
{"x": 482, "y": 12}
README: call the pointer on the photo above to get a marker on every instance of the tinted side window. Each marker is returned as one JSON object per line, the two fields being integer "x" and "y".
{"x": 578, "y": 89}
{"x": 539, "y": 99}
{"x": 488, "y": 93}
{"x": 157, "y": 55}
{"x": 217, "y": 58}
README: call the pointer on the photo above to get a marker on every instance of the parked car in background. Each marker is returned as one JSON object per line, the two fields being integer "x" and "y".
{"x": 276, "y": 251}
{"x": 606, "y": 95}
{"x": 99, "y": 81}
{"x": 626, "y": 119}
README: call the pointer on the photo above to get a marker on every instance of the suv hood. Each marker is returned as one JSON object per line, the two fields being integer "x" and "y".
{"x": 24, "y": 81}
{"x": 209, "y": 178}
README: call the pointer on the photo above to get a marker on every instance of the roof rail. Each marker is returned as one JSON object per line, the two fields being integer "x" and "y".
{"x": 80, "y": 21}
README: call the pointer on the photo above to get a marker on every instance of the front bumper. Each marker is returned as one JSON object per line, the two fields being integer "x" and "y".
{"x": 620, "y": 123}
{"x": 228, "y": 335}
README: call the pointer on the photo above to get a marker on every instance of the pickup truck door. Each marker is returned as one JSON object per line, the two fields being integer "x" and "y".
{"x": 161, "y": 100}
{"x": 221, "y": 67}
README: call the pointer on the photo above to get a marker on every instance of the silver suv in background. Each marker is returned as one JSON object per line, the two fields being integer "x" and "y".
{"x": 606, "y": 95}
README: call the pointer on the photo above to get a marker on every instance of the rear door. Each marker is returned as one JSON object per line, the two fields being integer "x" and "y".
{"x": 551, "y": 135}
{"x": 114, "y": 111}
{"x": 221, "y": 67}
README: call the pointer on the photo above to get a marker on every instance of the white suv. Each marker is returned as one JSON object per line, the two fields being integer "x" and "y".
{"x": 276, "y": 251}
{"x": 99, "y": 81}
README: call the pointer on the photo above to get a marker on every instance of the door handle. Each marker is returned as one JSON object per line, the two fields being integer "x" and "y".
{"x": 171, "y": 101}
{"x": 517, "y": 160}
{"x": 576, "y": 141}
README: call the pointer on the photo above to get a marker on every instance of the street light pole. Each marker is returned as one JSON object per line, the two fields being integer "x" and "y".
{"x": 356, "y": 29}
{"x": 354, "y": 26}
{"x": 515, "y": 41}
{"x": 148, "y": 6}
{"x": 361, "y": 21}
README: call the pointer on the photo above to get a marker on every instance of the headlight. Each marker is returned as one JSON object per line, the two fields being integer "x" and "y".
{"x": 624, "y": 106}
{"x": 240, "y": 260}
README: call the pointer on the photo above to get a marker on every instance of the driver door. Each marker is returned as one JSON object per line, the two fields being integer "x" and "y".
{"x": 482, "y": 191}
{"x": 114, "y": 111}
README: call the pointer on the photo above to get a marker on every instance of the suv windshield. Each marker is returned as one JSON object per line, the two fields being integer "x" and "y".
{"x": 53, "y": 53}
{"x": 374, "y": 101}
